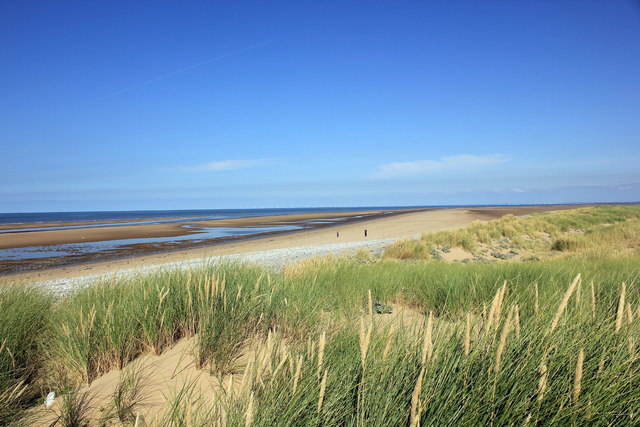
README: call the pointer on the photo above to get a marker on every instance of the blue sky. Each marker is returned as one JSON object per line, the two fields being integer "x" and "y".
{"x": 110, "y": 105}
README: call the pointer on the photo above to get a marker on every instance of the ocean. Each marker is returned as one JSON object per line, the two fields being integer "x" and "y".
{"x": 155, "y": 216}
{"x": 27, "y": 257}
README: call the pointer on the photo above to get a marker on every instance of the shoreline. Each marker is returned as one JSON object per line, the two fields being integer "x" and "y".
{"x": 400, "y": 225}
{"x": 159, "y": 237}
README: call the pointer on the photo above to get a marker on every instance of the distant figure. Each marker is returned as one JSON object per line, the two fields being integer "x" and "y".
{"x": 365, "y": 232}
{"x": 337, "y": 234}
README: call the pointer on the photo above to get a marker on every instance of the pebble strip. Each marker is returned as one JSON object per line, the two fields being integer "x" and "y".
{"x": 273, "y": 259}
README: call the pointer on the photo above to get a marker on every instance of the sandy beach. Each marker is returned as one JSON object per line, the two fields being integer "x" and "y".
{"x": 379, "y": 229}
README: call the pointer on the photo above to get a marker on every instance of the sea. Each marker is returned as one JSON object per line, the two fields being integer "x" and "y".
{"x": 196, "y": 235}
{"x": 159, "y": 216}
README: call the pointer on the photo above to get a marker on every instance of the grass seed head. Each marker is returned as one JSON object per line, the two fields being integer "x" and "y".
{"x": 365, "y": 338}
{"x": 467, "y": 335}
{"x": 427, "y": 345}
{"x": 565, "y": 300}
{"x": 415, "y": 400}
{"x": 577, "y": 382}
{"x": 323, "y": 387}
{"x": 503, "y": 338}
{"x": 593, "y": 301}
{"x": 248, "y": 418}
{"x": 321, "y": 344}
{"x": 621, "y": 307}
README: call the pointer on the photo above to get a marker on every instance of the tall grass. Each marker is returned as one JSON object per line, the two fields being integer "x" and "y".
{"x": 25, "y": 321}
{"x": 590, "y": 374}
{"x": 600, "y": 227}
{"x": 108, "y": 325}
{"x": 505, "y": 343}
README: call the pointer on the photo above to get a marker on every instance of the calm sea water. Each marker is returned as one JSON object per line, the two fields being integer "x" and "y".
{"x": 119, "y": 218}
{"x": 166, "y": 215}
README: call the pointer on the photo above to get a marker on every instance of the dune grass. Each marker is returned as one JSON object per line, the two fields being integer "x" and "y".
{"x": 587, "y": 229}
{"x": 548, "y": 342}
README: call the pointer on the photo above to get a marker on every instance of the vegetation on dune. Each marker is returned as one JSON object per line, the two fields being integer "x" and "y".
{"x": 592, "y": 229}
{"x": 549, "y": 342}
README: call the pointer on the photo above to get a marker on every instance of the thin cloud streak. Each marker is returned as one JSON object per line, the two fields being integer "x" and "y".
{"x": 226, "y": 165}
{"x": 179, "y": 71}
{"x": 419, "y": 167}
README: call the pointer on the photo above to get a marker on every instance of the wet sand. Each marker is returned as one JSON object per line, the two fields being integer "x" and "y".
{"x": 23, "y": 239}
{"x": 393, "y": 226}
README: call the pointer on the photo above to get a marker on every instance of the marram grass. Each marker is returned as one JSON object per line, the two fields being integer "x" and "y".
{"x": 548, "y": 343}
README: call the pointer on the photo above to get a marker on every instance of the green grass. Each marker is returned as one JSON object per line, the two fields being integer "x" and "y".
{"x": 59, "y": 344}
{"x": 603, "y": 228}
{"x": 25, "y": 319}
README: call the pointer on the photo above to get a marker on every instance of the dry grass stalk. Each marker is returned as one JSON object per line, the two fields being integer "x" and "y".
{"x": 544, "y": 374}
{"x": 516, "y": 320}
{"x": 321, "y": 344}
{"x": 565, "y": 301}
{"x": 467, "y": 336}
{"x": 415, "y": 400}
{"x": 323, "y": 386}
{"x": 370, "y": 306}
{"x": 296, "y": 377}
{"x": 503, "y": 290}
{"x": 593, "y": 301}
{"x": 496, "y": 307}
{"x": 282, "y": 362}
{"x": 621, "y": 306}
{"x": 542, "y": 382}
{"x": 387, "y": 346}
{"x": 248, "y": 419}
{"x": 629, "y": 314}
{"x": 578, "y": 294}
{"x": 603, "y": 359}
{"x": 492, "y": 311}
{"x": 536, "y": 305}
{"x": 365, "y": 338}
{"x": 257, "y": 287}
{"x": 427, "y": 345}
{"x": 577, "y": 382}
{"x": 246, "y": 377}
{"x": 503, "y": 338}
{"x": 230, "y": 385}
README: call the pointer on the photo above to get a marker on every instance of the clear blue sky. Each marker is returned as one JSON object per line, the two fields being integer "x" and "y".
{"x": 110, "y": 105}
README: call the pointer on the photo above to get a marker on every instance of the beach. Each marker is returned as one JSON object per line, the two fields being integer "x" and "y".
{"x": 272, "y": 250}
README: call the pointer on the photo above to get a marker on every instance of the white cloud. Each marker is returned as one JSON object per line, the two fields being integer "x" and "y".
{"x": 418, "y": 167}
{"x": 226, "y": 165}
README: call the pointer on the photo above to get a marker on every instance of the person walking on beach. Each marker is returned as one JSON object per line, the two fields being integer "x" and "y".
{"x": 337, "y": 234}
{"x": 365, "y": 232}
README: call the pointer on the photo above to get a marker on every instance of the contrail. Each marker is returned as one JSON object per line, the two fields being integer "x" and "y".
{"x": 181, "y": 70}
